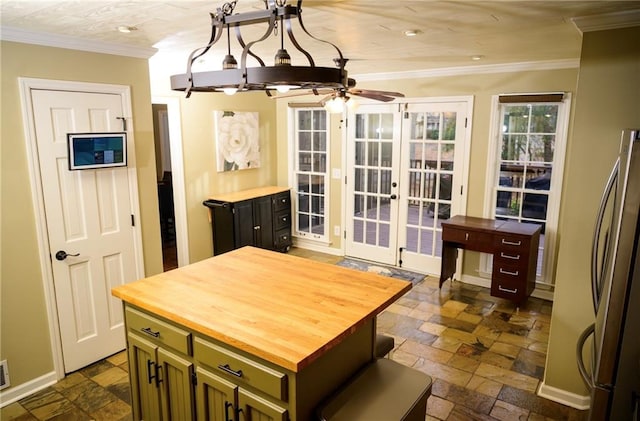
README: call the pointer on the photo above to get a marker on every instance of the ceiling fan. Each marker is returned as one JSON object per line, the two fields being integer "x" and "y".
{"x": 343, "y": 94}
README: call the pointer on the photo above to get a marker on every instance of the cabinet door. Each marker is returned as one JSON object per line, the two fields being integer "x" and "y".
{"x": 255, "y": 408}
{"x": 216, "y": 397}
{"x": 263, "y": 220}
{"x": 244, "y": 225}
{"x": 142, "y": 370}
{"x": 176, "y": 389}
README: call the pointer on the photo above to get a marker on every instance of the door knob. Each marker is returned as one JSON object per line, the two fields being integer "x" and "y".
{"x": 393, "y": 196}
{"x": 61, "y": 255}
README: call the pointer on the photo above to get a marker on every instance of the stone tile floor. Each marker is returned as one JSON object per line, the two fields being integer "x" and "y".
{"x": 485, "y": 356}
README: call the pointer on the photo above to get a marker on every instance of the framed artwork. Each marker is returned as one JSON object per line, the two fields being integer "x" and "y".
{"x": 237, "y": 140}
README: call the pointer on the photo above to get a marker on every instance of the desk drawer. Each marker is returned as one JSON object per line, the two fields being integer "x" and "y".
{"x": 158, "y": 330}
{"x": 471, "y": 240}
{"x": 511, "y": 243}
{"x": 283, "y": 220}
{"x": 511, "y": 289}
{"x": 241, "y": 369}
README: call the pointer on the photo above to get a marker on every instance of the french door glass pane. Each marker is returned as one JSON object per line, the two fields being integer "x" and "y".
{"x": 431, "y": 165}
{"x": 372, "y": 176}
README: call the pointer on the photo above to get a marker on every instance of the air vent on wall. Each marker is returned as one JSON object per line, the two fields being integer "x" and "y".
{"x": 4, "y": 375}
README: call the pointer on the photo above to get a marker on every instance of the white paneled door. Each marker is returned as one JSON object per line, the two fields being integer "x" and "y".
{"x": 89, "y": 216}
{"x": 407, "y": 165}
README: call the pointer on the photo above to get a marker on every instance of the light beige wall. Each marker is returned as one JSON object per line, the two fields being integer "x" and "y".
{"x": 24, "y": 337}
{"x": 482, "y": 87}
{"x": 199, "y": 148}
{"x": 606, "y": 102}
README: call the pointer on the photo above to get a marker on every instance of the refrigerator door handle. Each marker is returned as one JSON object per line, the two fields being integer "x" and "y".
{"x": 595, "y": 277}
{"x": 586, "y": 376}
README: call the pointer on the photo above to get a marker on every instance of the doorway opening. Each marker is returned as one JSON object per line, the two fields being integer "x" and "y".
{"x": 165, "y": 186}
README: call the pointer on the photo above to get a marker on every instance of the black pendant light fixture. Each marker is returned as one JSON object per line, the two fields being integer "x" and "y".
{"x": 281, "y": 76}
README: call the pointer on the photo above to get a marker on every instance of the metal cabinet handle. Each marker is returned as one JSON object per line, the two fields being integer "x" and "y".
{"x": 508, "y": 256}
{"x": 466, "y": 236}
{"x": 150, "y": 332}
{"x": 512, "y": 291}
{"x": 512, "y": 243}
{"x": 506, "y": 272}
{"x": 151, "y": 372}
{"x": 227, "y": 369}
{"x": 256, "y": 228}
{"x": 227, "y": 405}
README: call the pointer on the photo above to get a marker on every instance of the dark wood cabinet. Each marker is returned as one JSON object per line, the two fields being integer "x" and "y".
{"x": 514, "y": 247}
{"x": 257, "y": 217}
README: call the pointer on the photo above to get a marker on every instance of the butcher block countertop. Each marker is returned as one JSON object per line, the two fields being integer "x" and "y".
{"x": 239, "y": 196}
{"x": 284, "y": 309}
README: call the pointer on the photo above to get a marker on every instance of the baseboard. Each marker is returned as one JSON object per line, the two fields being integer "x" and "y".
{"x": 476, "y": 280}
{"x": 573, "y": 400}
{"x": 16, "y": 393}
{"x": 315, "y": 246}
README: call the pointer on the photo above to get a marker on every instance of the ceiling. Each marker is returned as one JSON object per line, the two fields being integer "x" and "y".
{"x": 369, "y": 32}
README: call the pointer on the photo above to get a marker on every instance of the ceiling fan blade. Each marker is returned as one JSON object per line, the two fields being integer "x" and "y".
{"x": 373, "y": 91}
{"x": 372, "y": 95}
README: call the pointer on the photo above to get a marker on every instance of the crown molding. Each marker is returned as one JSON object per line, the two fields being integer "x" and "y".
{"x": 472, "y": 70}
{"x": 9, "y": 33}
{"x": 614, "y": 20}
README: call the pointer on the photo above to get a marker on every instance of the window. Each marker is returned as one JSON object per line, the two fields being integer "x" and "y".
{"x": 311, "y": 146}
{"x": 528, "y": 142}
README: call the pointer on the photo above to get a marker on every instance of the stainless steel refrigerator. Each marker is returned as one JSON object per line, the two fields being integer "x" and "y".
{"x": 613, "y": 375}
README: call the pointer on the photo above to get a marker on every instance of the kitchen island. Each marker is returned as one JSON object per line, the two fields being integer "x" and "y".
{"x": 251, "y": 331}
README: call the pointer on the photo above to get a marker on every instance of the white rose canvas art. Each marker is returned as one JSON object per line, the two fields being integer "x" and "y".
{"x": 237, "y": 140}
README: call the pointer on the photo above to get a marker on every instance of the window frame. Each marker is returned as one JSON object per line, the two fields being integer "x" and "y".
{"x": 546, "y": 279}
{"x": 293, "y": 171}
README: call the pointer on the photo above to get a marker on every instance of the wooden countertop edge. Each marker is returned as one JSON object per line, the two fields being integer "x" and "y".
{"x": 294, "y": 366}
{"x": 239, "y": 196}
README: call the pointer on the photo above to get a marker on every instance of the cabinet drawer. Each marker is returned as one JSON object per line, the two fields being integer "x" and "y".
{"x": 282, "y": 201}
{"x": 239, "y": 368}
{"x": 511, "y": 243}
{"x": 512, "y": 289}
{"x": 159, "y": 331}
{"x": 283, "y": 239}
{"x": 283, "y": 220}
{"x": 471, "y": 240}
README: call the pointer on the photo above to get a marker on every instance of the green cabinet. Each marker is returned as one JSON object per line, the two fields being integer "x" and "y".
{"x": 223, "y": 382}
{"x": 160, "y": 368}
{"x": 221, "y": 400}
{"x": 161, "y": 382}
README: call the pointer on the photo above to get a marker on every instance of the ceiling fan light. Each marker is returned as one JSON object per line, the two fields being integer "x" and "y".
{"x": 282, "y": 88}
{"x": 230, "y": 90}
{"x": 334, "y": 105}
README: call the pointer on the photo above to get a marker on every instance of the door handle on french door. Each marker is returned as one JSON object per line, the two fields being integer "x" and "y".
{"x": 393, "y": 196}
{"x": 61, "y": 255}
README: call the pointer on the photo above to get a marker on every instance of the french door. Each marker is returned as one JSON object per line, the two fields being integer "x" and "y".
{"x": 407, "y": 166}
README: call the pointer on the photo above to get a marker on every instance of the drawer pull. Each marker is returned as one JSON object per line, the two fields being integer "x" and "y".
{"x": 466, "y": 236}
{"x": 227, "y": 369}
{"x": 512, "y": 243}
{"x": 508, "y": 256}
{"x": 506, "y": 272}
{"x": 512, "y": 291}
{"x": 150, "y": 332}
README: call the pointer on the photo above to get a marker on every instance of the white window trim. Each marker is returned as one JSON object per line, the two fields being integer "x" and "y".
{"x": 293, "y": 154}
{"x": 553, "y": 205}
